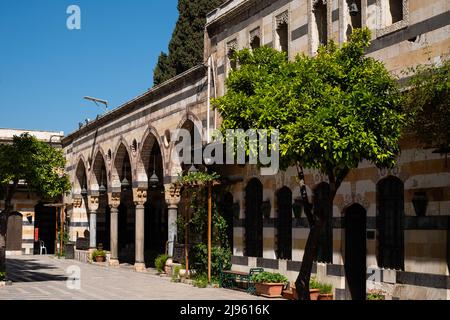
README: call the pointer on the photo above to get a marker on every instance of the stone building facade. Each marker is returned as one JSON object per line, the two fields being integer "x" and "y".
{"x": 30, "y": 220}
{"x": 400, "y": 218}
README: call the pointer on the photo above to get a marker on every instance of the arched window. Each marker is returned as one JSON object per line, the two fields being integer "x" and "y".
{"x": 390, "y": 213}
{"x": 284, "y": 204}
{"x": 322, "y": 207}
{"x": 253, "y": 219}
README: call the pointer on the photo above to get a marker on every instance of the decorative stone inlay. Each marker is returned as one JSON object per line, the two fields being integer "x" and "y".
{"x": 114, "y": 200}
{"x": 77, "y": 202}
{"x": 93, "y": 203}
{"x": 282, "y": 18}
{"x": 232, "y": 46}
{"x": 172, "y": 194}
{"x": 139, "y": 196}
{"x": 355, "y": 198}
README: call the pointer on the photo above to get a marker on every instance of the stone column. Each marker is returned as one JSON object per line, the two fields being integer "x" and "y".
{"x": 140, "y": 197}
{"x": 93, "y": 208}
{"x": 172, "y": 195}
{"x": 114, "y": 202}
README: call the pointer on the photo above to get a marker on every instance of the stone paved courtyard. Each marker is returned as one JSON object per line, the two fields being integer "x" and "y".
{"x": 46, "y": 278}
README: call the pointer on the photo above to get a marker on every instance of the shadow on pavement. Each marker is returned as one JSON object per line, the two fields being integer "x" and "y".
{"x": 30, "y": 270}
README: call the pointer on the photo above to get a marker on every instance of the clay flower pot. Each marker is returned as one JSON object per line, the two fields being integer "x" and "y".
{"x": 325, "y": 297}
{"x": 100, "y": 259}
{"x": 314, "y": 294}
{"x": 269, "y": 289}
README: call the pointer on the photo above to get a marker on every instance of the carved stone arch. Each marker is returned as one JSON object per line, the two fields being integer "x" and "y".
{"x": 95, "y": 172}
{"x": 81, "y": 175}
{"x": 174, "y": 162}
{"x": 144, "y": 151}
{"x": 121, "y": 151}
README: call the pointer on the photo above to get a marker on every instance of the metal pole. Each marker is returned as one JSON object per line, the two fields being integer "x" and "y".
{"x": 209, "y": 230}
{"x": 186, "y": 235}
{"x": 56, "y": 231}
{"x": 61, "y": 232}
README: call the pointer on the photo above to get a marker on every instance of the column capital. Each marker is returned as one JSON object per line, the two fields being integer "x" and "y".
{"x": 172, "y": 194}
{"x": 77, "y": 202}
{"x": 93, "y": 203}
{"x": 114, "y": 200}
{"x": 139, "y": 196}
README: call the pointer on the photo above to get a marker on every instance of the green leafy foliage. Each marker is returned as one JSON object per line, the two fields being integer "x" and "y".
{"x": 186, "y": 45}
{"x": 326, "y": 288}
{"x": 220, "y": 259}
{"x": 98, "y": 253}
{"x": 2, "y": 276}
{"x": 199, "y": 178}
{"x": 428, "y": 103}
{"x": 314, "y": 284}
{"x": 376, "y": 295}
{"x": 37, "y": 163}
{"x": 269, "y": 277}
{"x": 176, "y": 274}
{"x": 160, "y": 262}
{"x": 332, "y": 110}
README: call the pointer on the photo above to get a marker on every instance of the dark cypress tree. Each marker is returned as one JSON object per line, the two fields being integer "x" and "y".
{"x": 186, "y": 45}
{"x": 163, "y": 70}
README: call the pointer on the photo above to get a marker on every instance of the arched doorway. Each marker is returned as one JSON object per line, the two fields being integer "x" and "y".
{"x": 390, "y": 214}
{"x": 284, "y": 205}
{"x": 322, "y": 207}
{"x": 45, "y": 223}
{"x": 355, "y": 251}
{"x": 253, "y": 219}
{"x": 14, "y": 232}
{"x": 99, "y": 182}
{"x": 156, "y": 224}
{"x": 126, "y": 220}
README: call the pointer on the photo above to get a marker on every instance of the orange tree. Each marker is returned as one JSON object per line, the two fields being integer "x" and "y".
{"x": 332, "y": 111}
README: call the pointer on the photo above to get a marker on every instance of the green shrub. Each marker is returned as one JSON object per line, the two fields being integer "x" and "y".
{"x": 176, "y": 273}
{"x": 326, "y": 288}
{"x": 313, "y": 283}
{"x": 220, "y": 259}
{"x": 375, "y": 295}
{"x": 201, "y": 280}
{"x": 2, "y": 276}
{"x": 269, "y": 277}
{"x": 98, "y": 253}
{"x": 160, "y": 262}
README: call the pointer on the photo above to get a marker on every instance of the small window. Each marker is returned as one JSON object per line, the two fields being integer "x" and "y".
{"x": 256, "y": 43}
{"x": 354, "y": 16}
{"x": 394, "y": 11}
{"x": 321, "y": 23}
{"x": 282, "y": 33}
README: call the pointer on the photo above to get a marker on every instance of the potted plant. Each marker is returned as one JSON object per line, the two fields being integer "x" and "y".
{"x": 326, "y": 292}
{"x": 314, "y": 289}
{"x": 99, "y": 256}
{"x": 376, "y": 295}
{"x": 269, "y": 284}
{"x": 266, "y": 208}
{"x": 160, "y": 262}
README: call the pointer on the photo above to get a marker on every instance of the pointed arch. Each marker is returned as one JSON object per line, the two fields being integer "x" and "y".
{"x": 151, "y": 145}
{"x": 99, "y": 171}
{"x": 81, "y": 176}
{"x": 122, "y": 165}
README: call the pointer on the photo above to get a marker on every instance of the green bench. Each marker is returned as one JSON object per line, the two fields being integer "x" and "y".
{"x": 229, "y": 279}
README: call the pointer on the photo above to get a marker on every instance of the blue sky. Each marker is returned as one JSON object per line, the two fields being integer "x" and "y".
{"x": 47, "y": 69}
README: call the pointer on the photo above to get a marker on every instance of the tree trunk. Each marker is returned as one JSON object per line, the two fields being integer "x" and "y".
{"x": 316, "y": 224}
{"x": 10, "y": 191}
{"x": 302, "y": 283}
